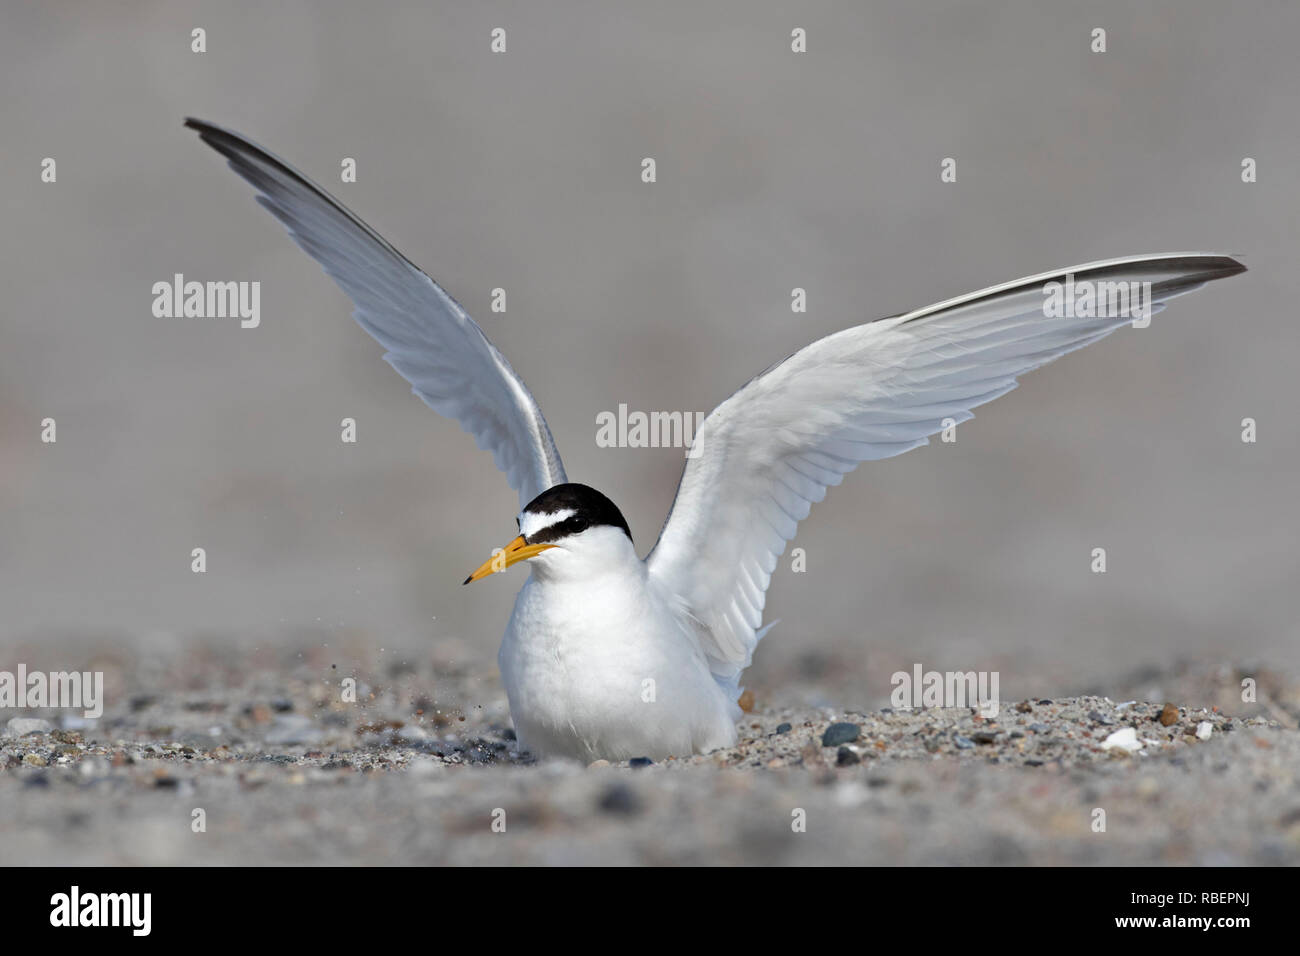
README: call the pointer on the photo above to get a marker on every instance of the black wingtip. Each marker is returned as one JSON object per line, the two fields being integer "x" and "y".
{"x": 1221, "y": 266}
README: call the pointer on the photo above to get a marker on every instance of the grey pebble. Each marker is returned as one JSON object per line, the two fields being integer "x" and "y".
{"x": 963, "y": 743}
{"x": 619, "y": 798}
{"x": 783, "y": 728}
{"x": 845, "y": 757}
{"x": 841, "y": 733}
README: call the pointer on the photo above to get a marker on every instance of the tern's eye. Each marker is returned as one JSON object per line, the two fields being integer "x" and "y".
{"x": 577, "y": 525}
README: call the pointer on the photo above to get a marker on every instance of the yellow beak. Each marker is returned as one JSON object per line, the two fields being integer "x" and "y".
{"x": 516, "y": 551}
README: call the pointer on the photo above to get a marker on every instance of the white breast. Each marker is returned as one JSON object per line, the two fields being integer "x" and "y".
{"x": 597, "y": 665}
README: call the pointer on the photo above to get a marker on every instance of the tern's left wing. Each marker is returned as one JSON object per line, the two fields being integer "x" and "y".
{"x": 766, "y": 454}
{"x": 430, "y": 339}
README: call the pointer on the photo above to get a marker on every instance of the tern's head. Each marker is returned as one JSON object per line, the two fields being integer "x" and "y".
{"x": 575, "y": 527}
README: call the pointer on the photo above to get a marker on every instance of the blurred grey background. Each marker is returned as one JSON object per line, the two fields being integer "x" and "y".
{"x": 775, "y": 170}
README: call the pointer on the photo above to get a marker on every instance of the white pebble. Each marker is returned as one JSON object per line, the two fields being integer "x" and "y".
{"x": 1125, "y": 739}
{"x": 1204, "y": 729}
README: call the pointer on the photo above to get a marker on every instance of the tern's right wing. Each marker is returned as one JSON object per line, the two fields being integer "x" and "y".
{"x": 430, "y": 339}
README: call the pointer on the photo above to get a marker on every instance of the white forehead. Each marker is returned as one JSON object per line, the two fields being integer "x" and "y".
{"x": 531, "y": 523}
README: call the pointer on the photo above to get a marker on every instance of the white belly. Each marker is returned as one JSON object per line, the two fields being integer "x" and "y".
{"x": 608, "y": 671}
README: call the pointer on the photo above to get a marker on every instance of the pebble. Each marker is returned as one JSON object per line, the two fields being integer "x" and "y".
{"x": 845, "y": 757}
{"x": 1204, "y": 729}
{"x": 34, "y": 760}
{"x": 1168, "y": 716}
{"x": 22, "y": 726}
{"x": 841, "y": 733}
{"x": 620, "y": 799}
{"x": 637, "y": 763}
{"x": 1124, "y": 739}
{"x": 783, "y": 728}
{"x": 962, "y": 743}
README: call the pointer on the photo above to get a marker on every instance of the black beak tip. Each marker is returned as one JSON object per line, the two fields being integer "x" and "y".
{"x": 466, "y": 581}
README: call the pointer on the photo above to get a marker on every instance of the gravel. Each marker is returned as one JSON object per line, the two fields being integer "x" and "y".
{"x": 424, "y": 769}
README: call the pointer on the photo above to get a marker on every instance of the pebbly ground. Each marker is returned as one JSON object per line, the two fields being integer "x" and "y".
{"x": 420, "y": 767}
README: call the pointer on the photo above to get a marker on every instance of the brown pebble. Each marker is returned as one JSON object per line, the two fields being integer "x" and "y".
{"x": 1168, "y": 716}
{"x": 746, "y": 701}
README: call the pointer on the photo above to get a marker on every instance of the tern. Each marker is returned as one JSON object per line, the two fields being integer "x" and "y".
{"x": 611, "y": 656}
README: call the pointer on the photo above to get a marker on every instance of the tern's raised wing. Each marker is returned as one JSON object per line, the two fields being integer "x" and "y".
{"x": 873, "y": 391}
{"x": 430, "y": 339}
